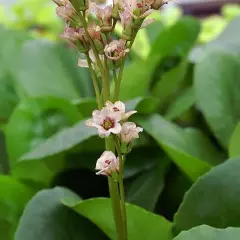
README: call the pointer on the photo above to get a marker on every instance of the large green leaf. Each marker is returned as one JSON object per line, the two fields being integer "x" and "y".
{"x": 141, "y": 224}
{"x": 42, "y": 73}
{"x": 213, "y": 200}
{"x": 46, "y": 218}
{"x": 137, "y": 75}
{"x": 205, "y": 232}
{"x": 234, "y": 149}
{"x": 190, "y": 149}
{"x": 226, "y": 42}
{"x": 217, "y": 89}
{"x": 145, "y": 189}
{"x": 35, "y": 120}
{"x": 182, "y": 104}
{"x": 13, "y": 197}
{"x": 61, "y": 142}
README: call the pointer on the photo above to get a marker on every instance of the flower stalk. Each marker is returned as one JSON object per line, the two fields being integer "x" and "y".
{"x": 90, "y": 28}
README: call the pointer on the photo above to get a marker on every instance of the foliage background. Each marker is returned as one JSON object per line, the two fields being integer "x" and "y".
{"x": 182, "y": 77}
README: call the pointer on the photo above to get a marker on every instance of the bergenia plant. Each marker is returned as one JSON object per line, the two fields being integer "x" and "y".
{"x": 90, "y": 28}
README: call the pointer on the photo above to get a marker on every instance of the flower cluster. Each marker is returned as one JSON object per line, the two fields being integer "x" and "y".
{"x": 90, "y": 27}
{"x": 112, "y": 119}
{"x": 82, "y": 32}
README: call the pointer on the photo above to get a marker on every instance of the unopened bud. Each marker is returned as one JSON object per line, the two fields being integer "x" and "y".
{"x": 81, "y": 5}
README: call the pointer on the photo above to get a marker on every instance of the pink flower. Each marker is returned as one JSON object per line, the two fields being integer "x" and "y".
{"x": 65, "y": 10}
{"x": 105, "y": 121}
{"x": 139, "y": 8}
{"x": 107, "y": 164}
{"x": 116, "y": 49}
{"x": 119, "y": 107}
{"x": 104, "y": 16}
{"x": 129, "y": 132}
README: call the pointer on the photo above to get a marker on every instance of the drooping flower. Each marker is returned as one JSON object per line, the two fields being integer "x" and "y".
{"x": 96, "y": 35}
{"x": 65, "y": 10}
{"x": 129, "y": 132}
{"x": 116, "y": 49}
{"x": 139, "y": 8}
{"x": 104, "y": 16}
{"x": 126, "y": 21}
{"x": 76, "y": 36}
{"x": 107, "y": 164}
{"x": 119, "y": 107}
{"x": 106, "y": 122}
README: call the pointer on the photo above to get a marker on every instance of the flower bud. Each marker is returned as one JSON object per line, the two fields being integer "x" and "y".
{"x": 107, "y": 164}
{"x": 128, "y": 133}
{"x": 127, "y": 24}
{"x": 95, "y": 34}
{"x": 104, "y": 15}
{"x": 81, "y": 5}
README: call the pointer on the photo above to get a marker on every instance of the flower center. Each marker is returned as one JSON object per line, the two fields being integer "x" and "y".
{"x": 108, "y": 123}
{"x": 108, "y": 162}
{"x": 115, "y": 109}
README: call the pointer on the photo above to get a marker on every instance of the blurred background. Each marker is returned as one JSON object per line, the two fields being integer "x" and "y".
{"x": 42, "y": 92}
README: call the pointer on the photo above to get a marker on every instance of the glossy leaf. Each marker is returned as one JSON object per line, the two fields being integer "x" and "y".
{"x": 35, "y": 120}
{"x": 141, "y": 224}
{"x": 145, "y": 189}
{"x": 208, "y": 233}
{"x": 234, "y": 149}
{"x": 61, "y": 142}
{"x": 46, "y": 218}
{"x": 213, "y": 200}
{"x": 190, "y": 149}
{"x": 219, "y": 73}
{"x": 13, "y": 197}
{"x": 182, "y": 104}
{"x": 41, "y": 72}
{"x": 137, "y": 75}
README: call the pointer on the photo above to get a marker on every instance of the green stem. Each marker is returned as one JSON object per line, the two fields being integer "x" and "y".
{"x": 99, "y": 63}
{"x": 95, "y": 83}
{"x": 118, "y": 81}
{"x": 121, "y": 186}
{"x": 115, "y": 198}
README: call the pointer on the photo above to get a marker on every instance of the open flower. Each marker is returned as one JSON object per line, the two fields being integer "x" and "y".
{"x": 129, "y": 132}
{"x": 107, "y": 164}
{"x": 106, "y": 122}
{"x": 104, "y": 16}
{"x": 116, "y": 49}
{"x": 139, "y": 8}
{"x": 119, "y": 107}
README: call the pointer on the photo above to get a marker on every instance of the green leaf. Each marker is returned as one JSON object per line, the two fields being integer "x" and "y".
{"x": 137, "y": 75}
{"x": 141, "y": 224}
{"x": 213, "y": 200}
{"x": 208, "y": 233}
{"x": 42, "y": 73}
{"x": 182, "y": 104}
{"x": 35, "y": 120}
{"x": 226, "y": 42}
{"x": 46, "y": 218}
{"x": 13, "y": 197}
{"x": 170, "y": 82}
{"x": 219, "y": 73}
{"x": 190, "y": 149}
{"x": 234, "y": 150}
{"x": 61, "y": 142}
{"x": 145, "y": 189}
